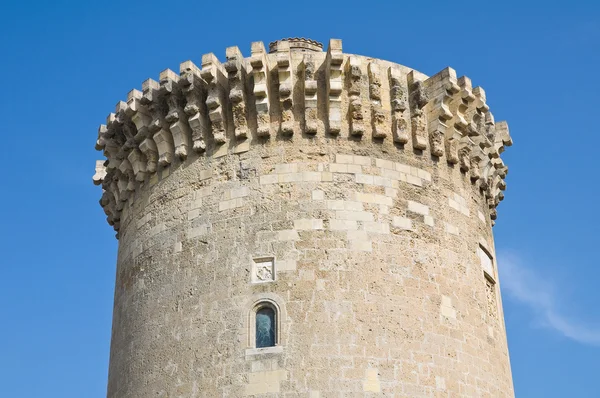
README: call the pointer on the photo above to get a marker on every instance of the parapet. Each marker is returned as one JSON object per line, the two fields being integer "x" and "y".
{"x": 296, "y": 92}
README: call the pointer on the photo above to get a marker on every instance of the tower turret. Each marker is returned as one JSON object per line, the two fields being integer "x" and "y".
{"x": 305, "y": 223}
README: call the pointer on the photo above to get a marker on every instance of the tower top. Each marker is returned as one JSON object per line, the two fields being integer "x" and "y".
{"x": 296, "y": 44}
{"x": 297, "y": 94}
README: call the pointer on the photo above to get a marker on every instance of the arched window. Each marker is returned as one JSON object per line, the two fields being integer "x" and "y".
{"x": 266, "y": 327}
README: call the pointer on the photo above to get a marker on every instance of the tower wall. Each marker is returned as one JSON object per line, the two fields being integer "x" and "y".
{"x": 361, "y": 211}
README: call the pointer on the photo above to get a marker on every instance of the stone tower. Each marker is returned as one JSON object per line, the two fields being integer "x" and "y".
{"x": 305, "y": 223}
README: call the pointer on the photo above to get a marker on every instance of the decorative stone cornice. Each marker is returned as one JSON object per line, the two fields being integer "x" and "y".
{"x": 251, "y": 100}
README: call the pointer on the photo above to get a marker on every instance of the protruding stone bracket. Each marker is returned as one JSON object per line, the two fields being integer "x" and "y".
{"x": 214, "y": 75}
{"x": 138, "y": 163}
{"x": 140, "y": 116}
{"x": 261, "y": 77}
{"x": 464, "y": 153}
{"x": 100, "y": 173}
{"x": 460, "y": 100}
{"x": 503, "y": 137}
{"x": 194, "y": 89}
{"x": 355, "y": 83}
{"x": 125, "y": 126}
{"x": 418, "y": 98}
{"x": 377, "y": 114}
{"x": 159, "y": 128}
{"x": 176, "y": 117}
{"x": 333, "y": 77}
{"x": 310, "y": 95}
{"x": 150, "y": 150}
{"x": 126, "y": 180}
{"x": 440, "y": 88}
{"x": 478, "y": 112}
{"x": 107, "y": 142}
{"x": 478, "y": 160}
{"x": 108, "y": 203}
{"x": 236, "y": 73}
{"x": 398, "y": 101}
{"x": 286, "y": 87}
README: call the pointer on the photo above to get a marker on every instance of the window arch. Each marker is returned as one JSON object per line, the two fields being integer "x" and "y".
{"x": 264, "y": 323}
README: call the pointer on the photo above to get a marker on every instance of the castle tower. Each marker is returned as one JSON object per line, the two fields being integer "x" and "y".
{"x": 305, "y": 223}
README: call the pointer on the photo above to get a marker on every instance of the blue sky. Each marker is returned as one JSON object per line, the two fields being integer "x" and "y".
{"x": 64, "y": 65}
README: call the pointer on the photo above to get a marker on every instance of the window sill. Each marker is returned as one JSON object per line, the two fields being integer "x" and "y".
{"x": 266, "y": 350}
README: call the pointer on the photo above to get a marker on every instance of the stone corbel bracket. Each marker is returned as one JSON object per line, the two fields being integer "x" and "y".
{"x": 214, "y": 75}
{"x": 418, "y": 99}
{"x": 159, "y": 128}
{"x": 171, "y": 93}
{"x": 460, "y": 103}
{"x": 333, "y": 78}
{"x": 441, "y": 88}
{"x": 262, "y": 79}
{"x": 236, "y": 73}
{"x": 195, "y": 91}
{"x": 398, "y": 100}
{"x": 355, "y": 83}
{"x": 146, "y": 150}
{"x": 310, "y": 95}
{"x": 378, "y": 120}
{"x": 286, "y": 87}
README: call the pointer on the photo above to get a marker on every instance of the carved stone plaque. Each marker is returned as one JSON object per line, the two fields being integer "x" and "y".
{"x": 263, "y": 270}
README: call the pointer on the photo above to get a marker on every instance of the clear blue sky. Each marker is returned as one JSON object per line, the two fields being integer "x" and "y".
{"x": 64, "y": 65}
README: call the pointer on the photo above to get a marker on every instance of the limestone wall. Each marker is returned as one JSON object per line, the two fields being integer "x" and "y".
{"x": 370, "y": 188}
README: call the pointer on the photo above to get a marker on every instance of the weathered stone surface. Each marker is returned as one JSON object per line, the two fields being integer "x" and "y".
{"x": 230, "y": 190}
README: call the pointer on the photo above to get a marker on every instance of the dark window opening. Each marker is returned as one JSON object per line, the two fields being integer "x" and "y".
{"x": 265, "y": 327}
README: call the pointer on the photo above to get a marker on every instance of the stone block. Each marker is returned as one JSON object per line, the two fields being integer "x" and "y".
{"x": 402, "y": 223}
{"x": 290, "y": 234}
{"x": 418, "y": 208}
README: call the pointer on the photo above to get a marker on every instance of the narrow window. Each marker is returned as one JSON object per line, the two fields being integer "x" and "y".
{"x": 265, "y": 327}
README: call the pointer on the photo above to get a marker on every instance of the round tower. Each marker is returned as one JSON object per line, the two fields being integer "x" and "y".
{"x": 305, "y": 223}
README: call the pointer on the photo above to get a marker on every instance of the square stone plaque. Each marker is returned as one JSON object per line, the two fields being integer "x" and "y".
{"x": 263, "y": 270}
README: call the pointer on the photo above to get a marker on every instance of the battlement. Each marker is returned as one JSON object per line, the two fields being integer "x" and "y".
{"x": 297, "y": 92}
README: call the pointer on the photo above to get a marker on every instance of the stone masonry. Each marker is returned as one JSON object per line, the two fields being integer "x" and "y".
{"x": 353, "y": 195}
